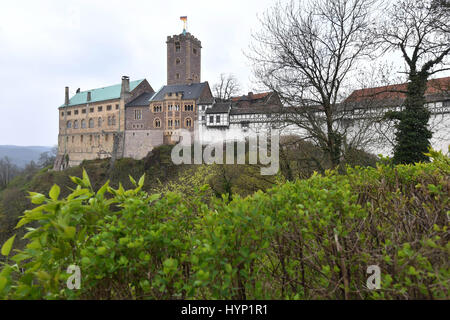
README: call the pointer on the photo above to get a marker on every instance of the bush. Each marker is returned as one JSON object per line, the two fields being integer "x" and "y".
{"x": 308, "y": 239}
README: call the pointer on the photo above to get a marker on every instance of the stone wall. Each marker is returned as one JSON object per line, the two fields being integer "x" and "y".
{"x": 138, "y": 143}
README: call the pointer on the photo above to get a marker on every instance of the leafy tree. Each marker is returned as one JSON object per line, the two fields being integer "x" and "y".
{"x": 419, "y": 30}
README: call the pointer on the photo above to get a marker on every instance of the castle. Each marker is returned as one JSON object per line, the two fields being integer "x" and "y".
{"x": 129, "y": 119}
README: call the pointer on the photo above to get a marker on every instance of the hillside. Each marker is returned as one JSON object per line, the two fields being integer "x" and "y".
{"x": 21, "y": 156}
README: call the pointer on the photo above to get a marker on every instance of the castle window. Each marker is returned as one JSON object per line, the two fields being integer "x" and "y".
{"x": 203, "y": 118}
{"x": 108, "y": 108}
{"x": 137, "y": 114}
{"x": 177, "y": 123}
{"x": 194, "y": 50}
{"x": 189, "y": 107}
{"x": 83, "y": 111}
{"x": 188, "y": 122}
{"x": 100, "y": 109}
{"x": 170, "y": 123}
{"x": 69, "y": 113}
{"x": 177, "y": 107}
{"x": 69, "y": 124}
{"x": 100, "y": 122}
{"x": 91, "y": 110}
{"x": 90, "y": 138}
{"x": 83, "y": 124}
{"x": 113, "y": 120}
{"x": 157, "y": 109}
{"x": 218, "y": 119}
{"x": 178, "y": 76}
{"x": 211, "y": 119}
{"x": 91, "y": 123}
{"x": 177, "y": 61}
{"x": 81, "y": 138}
{"x": 109, "y": 121}
{"x": 177, "y": 47}
{"x": 170, "y": 107}
{"x": 157, "y": 123}
{"x": 117, "y": 107}
{"x": 75, "y": 124}
{"x": 62, "y": 114}
{"x": 75, "y": 112}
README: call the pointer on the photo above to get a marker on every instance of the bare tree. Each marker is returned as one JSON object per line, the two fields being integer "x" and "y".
{"x": 48, "y": 158}
{"x": 307, "y": 54}
{"x": 8, "y": 171}
{"x": 227, "y": 87}
{"x": 420, "y": 31}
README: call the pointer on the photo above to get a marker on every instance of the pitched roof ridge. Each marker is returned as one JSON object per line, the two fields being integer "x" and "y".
{"x": 113, "y": 85}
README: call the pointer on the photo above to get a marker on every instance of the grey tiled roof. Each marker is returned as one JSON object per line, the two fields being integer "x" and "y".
{"x": 142, "y": 100}
{"x": 220, "y": 107}
{"x": 190, "y": 91}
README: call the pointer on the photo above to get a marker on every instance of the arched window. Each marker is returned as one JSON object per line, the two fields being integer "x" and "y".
{"x": 100, "y": 122}
{"x": 188, "y": 122}
{"x": 83, "y": 124}
{"x": 75, "y": 124}
{"x": 109, "y": 121}
{"x": 91, "y": 123}
{"x": 157, "y": 123}
{"x": 69, "y": 124}
{"x": 113, "y": 120}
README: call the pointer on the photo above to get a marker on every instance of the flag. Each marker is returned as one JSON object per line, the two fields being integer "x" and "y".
{"x": 184, "y": 18}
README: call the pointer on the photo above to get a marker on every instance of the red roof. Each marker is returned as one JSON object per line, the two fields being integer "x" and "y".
{"x": 254, "y": 96}
{"x": 434, "y": 86}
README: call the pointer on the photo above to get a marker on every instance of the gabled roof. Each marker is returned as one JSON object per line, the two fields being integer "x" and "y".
{"x": 394, "y": 92}
{"x": 189, "y": 91}
{"x": 101, "y": 94}
{"x": 142, "y": 100}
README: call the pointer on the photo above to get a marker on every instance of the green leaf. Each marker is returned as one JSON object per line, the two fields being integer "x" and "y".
{"x": 36, "y": 198}
{"x": 86, "y": 180}
{"x": 54, "y": 192}
{"x": 141, "y": 181}
{"x": 3, "y": 282}
{"x": 6, "y": 249}
{"x": 132, "y": 180}
{"x": 70, "y": 232}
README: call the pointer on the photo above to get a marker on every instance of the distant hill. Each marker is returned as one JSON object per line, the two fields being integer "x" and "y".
{"x": 21, "y": 156}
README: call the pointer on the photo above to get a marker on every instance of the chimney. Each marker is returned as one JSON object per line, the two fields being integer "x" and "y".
{"x": 88, "y": 96}
{"x": 125, "y": 86}
{"x": 66, "y": 100}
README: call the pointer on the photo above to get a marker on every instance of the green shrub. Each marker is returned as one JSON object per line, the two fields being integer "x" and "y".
{"x": 308, "y": 239}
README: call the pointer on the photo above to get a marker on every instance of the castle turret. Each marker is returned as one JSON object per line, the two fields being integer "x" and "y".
{"x": 183, "y": 59}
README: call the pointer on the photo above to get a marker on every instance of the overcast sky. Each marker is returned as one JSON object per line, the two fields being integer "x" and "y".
{"x": 46, "y": 45}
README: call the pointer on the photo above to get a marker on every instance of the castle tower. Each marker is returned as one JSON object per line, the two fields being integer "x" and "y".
{"x": 183, "y": 59}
